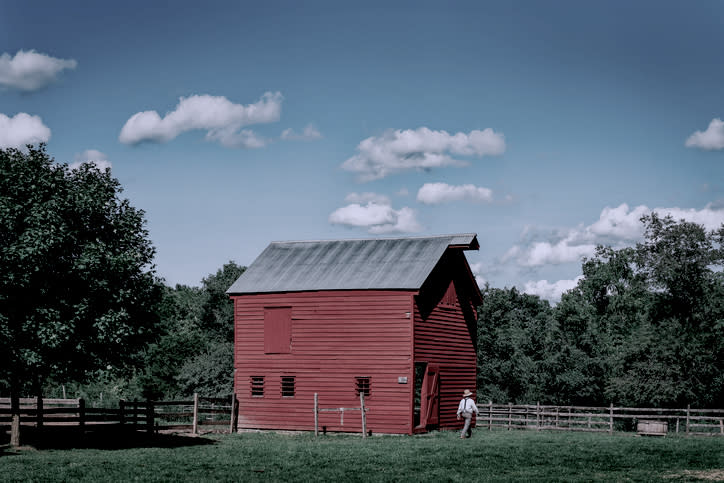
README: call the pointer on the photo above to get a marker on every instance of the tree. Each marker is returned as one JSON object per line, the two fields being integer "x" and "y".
{"x": 77, "y": 288}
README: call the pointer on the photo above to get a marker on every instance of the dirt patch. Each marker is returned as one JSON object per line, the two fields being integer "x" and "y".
{"x": 705, "y": 475}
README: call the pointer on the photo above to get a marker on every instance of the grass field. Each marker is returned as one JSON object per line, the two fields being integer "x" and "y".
{"x": 441, "y": 456}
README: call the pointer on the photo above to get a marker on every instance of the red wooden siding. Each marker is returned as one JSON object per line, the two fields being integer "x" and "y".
{"x": 336, "y": 337}
{"x": 445, "y": 328}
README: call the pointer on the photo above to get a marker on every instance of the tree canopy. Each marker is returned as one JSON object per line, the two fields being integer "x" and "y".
{"x": 77, "y": 287}
{"x": 644, "y": 326}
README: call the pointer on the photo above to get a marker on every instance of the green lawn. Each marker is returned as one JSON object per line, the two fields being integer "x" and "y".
{"x": 442, "y": 456}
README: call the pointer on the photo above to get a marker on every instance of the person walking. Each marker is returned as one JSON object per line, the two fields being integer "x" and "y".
{"x": 466, "y": 408}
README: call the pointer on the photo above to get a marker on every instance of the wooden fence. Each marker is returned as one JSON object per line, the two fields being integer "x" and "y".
{"x": 689, "y": 421}
{"x": 140, "y": 415}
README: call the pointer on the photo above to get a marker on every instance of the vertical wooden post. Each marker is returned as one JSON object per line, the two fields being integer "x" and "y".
{"x": 235, "y": 420}
{"x": 362, "y": 410}
{"x": 537, "y": 416}
{"x": 721, "y": 426}
{"x": 510, "y": 415}
{"x": 490, "y": 415}
{"x": 316, "y": 415}
{"x": 688, "y": 414}
{"x": 610, "y": 419}
{"x": 135, "y": 413}
{"x": 81, "y": 414}
{"x": 195, "y": 423}
{"x": 150, "y": 416}
{"x": 558, "y": 410}
{"x": 39, "y": 420}
{"x": 231, "y": 414}
{"x": 121, "y": 411}
{"x": 15, "y": 424}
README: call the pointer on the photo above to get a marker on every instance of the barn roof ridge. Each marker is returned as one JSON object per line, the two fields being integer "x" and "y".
{"x": 399, "y": 263}
{"x": 414, "y": 237}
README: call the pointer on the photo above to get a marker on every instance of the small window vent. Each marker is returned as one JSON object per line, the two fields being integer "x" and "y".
{"x": 288, "y": 383}
{"x": 257, "y": 386}
{"x": 362, "y": 386}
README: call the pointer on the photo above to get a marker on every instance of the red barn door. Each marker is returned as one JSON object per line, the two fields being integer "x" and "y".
{"x": 430, "y": 397}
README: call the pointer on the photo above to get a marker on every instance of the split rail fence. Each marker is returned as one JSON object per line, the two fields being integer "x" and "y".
{"x": 660, "y": 421}
{"x": 150, "y": 416}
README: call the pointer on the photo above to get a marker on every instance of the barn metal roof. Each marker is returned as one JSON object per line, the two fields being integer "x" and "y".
{"x": 379, "y": 263}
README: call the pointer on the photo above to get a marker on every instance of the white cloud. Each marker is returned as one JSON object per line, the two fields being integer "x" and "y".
{"x": 434, "y": 193}
{"x": 92, "y": 156}
{"x": 711, "y": 139}
{"x": 221, "y": 118}
{"x": 367, "y": 197}
{"x": 421, "y": 148}
{"x": 617, "y": 227}
{"x": 22, "y": 129}
{"x": 310, "y": 133}
{"x": 550, "y": 291}
{"x": 477, "y": 269}
{"x": 30, "y": 71}
{"x": 377, "y": 218}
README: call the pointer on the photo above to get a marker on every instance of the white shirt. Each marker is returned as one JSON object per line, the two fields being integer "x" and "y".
{"x": 467, "y": 405}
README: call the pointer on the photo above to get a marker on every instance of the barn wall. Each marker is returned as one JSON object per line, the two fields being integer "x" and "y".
{"x": 336, "y": 336}
{"x": 444, "y": 334}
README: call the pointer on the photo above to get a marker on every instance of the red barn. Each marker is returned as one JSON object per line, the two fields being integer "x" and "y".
{"x": 394, "y": 318}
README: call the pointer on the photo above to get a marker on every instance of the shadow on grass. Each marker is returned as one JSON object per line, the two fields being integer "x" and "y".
{"x": 107, "y": 438}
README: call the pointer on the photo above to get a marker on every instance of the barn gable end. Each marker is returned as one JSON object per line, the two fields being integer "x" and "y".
{"x": 339, "y": 317}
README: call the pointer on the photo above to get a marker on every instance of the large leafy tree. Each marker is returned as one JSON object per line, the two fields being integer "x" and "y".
{"x": 77, "y": 289}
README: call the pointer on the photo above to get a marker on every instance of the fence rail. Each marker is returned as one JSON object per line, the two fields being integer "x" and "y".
{"x": 692, "y": 421}
{"x": 141, "y": 415}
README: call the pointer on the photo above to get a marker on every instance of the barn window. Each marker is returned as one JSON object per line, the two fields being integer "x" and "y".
{"x": 288, "y": 386}
{"x": 362, "y": 386}
{"x": 277, "y": 330}
{"x": 257, "y": 386}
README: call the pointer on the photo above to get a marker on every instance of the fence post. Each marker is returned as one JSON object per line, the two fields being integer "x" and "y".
{"x": 195, "y": 426}
{"x": 316, "y": 415}
{"x": 235, "y": 426}
{"x": 39, "y": 420}
{"x": 231, "y": 414}
{"x": 537, "y": 416}
{"x": 121, "y": 411}
{"x": 510, "y": 414}
{"x": 150, "y": 416}
{"x": 490, "y": 415}
{"x": 81, "y": 414}
{"x": 610, "y": 419}
{"x": 135, "y": 413}
{"x": 688, "y": 413}
{"x": 558, "y": 410}
{"x": 362, "y": 410}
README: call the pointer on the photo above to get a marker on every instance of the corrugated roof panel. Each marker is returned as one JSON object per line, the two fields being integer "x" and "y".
{"x": 380, "y": 263}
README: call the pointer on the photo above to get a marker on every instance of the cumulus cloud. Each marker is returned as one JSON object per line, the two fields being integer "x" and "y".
{"x": 711, "y": 139}
{"x": 551, "y": 291}
{"x": 477, "y": 269}
{"x": 617, "y": 227}
{"x": 221, "y": 118}
{"x": 422, "y": 148}
{"x": 30, "y": 71}
{"x": 434, "y": 193}
{"x": 310, "y": 133}
{"x": 92, "y": 156}
{"x": 377, "y": 217}
{"x": 22, "y": 129}
{"x": 367, "y": 197}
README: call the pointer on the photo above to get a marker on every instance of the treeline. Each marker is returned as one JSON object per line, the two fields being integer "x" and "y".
{"x": 191, "y": 350}
{"x": 643, "y": 327}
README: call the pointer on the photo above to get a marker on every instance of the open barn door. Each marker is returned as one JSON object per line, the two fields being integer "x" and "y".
{"x": 429, "y": 395}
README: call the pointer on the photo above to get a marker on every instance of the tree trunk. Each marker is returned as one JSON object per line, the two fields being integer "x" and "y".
{"x": 15, "y": 414}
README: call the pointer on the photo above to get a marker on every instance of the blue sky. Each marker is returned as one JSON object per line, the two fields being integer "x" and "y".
{"x": 544, "y": 127}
